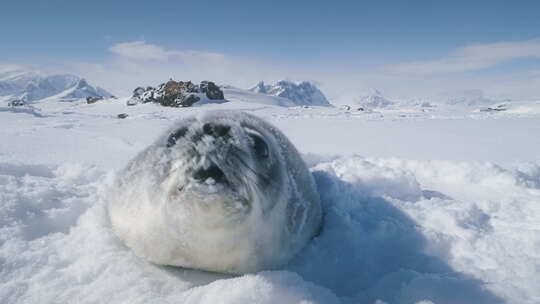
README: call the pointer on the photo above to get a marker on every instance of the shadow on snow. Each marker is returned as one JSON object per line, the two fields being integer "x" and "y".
{"x": 371, "y": 250}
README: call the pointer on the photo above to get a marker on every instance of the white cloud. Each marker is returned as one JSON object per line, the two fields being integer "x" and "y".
{"x": 471, "y": 58}
{"x": 141, "y": 50}
{"x": 6, "y": 67}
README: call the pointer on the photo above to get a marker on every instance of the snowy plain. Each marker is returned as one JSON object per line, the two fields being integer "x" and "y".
{"x": 422, "y": 205}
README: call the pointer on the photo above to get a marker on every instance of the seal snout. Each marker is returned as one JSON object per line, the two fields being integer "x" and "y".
{"x": 216, "y": 130}
{"x": 209, "y": 175}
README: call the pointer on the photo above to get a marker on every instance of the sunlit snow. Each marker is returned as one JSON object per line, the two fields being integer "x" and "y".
{"x": 422, "y": 205}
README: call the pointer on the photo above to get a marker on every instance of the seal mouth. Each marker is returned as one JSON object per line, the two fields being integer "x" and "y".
{"x": 210, "y": 176}
{"x": 212, "y": 188}
{"x": 208, "y": 179}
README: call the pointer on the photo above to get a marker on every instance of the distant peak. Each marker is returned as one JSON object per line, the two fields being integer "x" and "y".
{"x": 374, "y": 99}
{"x": 300, "y": 93}
{"x": 82, "y": 83}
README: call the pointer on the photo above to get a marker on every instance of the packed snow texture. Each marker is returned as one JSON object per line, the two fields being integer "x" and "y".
{"x": 301, "y": 94}
{"x": 396, "y": 231}
{"x": 443, "y": 207}
{"x": 34, "y": 85}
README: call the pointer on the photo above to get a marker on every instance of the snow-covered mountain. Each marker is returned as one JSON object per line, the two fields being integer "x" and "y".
{"x": 373, "y": 99}
{"x": 34, "y": 85}
{"x": 251, "y": 97}
{"x": 468, "y": 98}
{"x": 303, "y": 93}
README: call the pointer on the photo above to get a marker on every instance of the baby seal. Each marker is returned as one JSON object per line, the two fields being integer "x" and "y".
{"x": 222, "y": 191}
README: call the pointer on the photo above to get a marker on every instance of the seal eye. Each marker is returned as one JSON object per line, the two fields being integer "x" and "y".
{"x": 259, "y": 145}
{"x": 171, "y": 141}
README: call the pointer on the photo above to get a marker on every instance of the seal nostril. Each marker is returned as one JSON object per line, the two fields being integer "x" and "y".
{"x": 207, "y": 128}
{"x": 213, "y": 172}
{"x": 173, "y": 137}
{"x": 216, "y": 130}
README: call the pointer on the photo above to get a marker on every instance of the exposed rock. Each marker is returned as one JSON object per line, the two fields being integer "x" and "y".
{"x": 16, "y": 103}
{"x": 138, "y": 91}
{"x": 176, "y": 93}
{"x": 93, "y": 99}
{"x": 122, "y": 115}
{"x": 133, "y": 101}
{"x": 189, "y": 100}
{"x": 499, "y": 108}
{"x": 349, "y": 108}
{"x": 212, "y": 90}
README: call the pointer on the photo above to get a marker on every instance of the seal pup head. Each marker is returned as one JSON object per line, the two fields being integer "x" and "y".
{"x": 223, "y": 191}
{"x": 221, "y": 170}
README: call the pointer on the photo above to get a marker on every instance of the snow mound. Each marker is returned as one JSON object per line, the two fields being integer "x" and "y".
{"x": 395, "y": 231}
{"x": 34, "y": 85}
{"x": 522, "y": 108}
{"x": 22, "y": 109}
{"x": 301, "y": 94}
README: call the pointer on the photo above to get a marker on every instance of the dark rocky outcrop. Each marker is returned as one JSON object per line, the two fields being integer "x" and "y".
{"x": 122, "y": 115}
{"x": 16, "y": 103}
{"x": 211, "y": 90}
{"x": 93, "y": 99}
{"x": 176, "y": 93}
{"x": 499, "y": 108}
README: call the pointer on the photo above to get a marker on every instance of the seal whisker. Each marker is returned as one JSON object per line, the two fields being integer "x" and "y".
{"x": 241, "y": 161}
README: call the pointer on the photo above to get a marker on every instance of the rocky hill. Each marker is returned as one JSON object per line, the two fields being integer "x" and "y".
{"x": 178, "y": 94}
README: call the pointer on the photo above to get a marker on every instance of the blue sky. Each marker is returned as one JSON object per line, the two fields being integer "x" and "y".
{"x": 369, "y": 41}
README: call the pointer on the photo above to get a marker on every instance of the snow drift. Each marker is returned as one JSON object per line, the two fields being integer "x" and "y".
{"x": 400, "y": 225}
{"x": 395, "y": 231}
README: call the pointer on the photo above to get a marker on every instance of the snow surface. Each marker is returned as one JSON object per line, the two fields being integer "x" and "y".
{"x": 422, "y": 205}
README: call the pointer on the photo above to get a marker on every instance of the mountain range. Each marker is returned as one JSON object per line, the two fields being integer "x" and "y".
{"x": 30, "y": 86}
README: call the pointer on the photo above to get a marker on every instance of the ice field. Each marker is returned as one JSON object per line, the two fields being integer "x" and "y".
{"x": 438, "y": 205}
